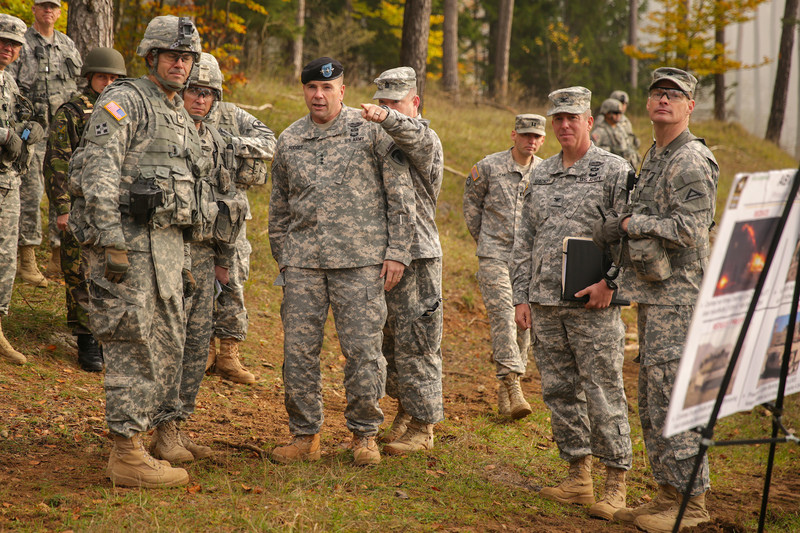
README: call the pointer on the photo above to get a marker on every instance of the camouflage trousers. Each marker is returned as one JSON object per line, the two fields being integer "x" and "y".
{"x": 9, "y": 229}
{"x": 662, "y": 333}
{"x": 230, "y": 314}
{"x": 31, "y": 190}
{"x": 74, "y": 270}
{"x": 142, "y": 336}
{"x": 510, "y": 344}
{"x": 412, "y": 339}
{"x": 579, "y": 353}
{"x": 355, "y": 295}
{"x": 182, "y": 394}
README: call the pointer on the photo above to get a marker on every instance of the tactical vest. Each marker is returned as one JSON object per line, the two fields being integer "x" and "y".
{"x": 249, "y": 172}
{"x": 6, "y": 121}
{"x": 55, "y": 79}
{"x": 645, "y": 195}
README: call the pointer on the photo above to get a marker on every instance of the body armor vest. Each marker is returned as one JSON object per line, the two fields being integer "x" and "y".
{"x": 249, "y": 172}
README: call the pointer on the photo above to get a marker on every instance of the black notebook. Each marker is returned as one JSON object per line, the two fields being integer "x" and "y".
{"x": 584, "y": 264}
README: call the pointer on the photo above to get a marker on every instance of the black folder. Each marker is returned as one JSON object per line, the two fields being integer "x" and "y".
{"x": 584, "y": 264}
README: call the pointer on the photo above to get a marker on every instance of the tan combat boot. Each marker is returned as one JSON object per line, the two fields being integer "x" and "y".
{"x": 131, "y": 466}
{"x": 663, "y": 522}
{"x": 520, "y": 408}
{"x": 503, "y": 401}
{"x": 197, "y": 450}
{"x": 302, "y": 448}
{"x": 365, "y": 451}
{"x": 166, "y": 444}
{"x": 8, "y": 352}
{"x": 418, "y": 436}
{"x": 614, "y": 496}
{"x": 27, "y": 269}
{"x": 577, "y": 488}
{"x": 54, "y": 266}
{"x": 228, "y": 365}
{"x": 666, "y": 497}
{"x": 212, "y": 356}
{"x": 398, "y": 427}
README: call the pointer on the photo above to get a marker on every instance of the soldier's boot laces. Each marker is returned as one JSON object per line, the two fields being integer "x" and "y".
{"x": 54, "y": 266}
{"x": 398, "y": 427}
{"x": 503, "y": 401}
{"x": 197, "y": 450}
{"x": 166, "y": 444}
{"x": 520, "y": 408}
{"x": 27, "y": 269}
{"x": 666, "y": 496}
{"x": 365, "y": 451}
{"x": 131, "y": 466}
{"x": 663, "y": 522}
{"x": 227, "y": 364}
{"x": 212, "y": 356}
{"x": 614, "y": 496}
{"x": 577, "y": 488}
{"x": 90, "y": 355}
{"x": 302, "y": 448}
{"x": 418, "y": 437}
{"x": 8, "y": 352}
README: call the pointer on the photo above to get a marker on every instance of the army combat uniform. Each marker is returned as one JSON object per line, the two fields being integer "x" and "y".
{"x": 616, "y": 140}
{"x": 9, "y": 193}
{"x": 341, "y": 204}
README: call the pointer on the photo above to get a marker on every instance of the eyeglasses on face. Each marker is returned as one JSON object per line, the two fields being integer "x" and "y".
{"x": 173, "y": 57}
{"x": 200, "y": 92}
{"x": 657, "y": 93}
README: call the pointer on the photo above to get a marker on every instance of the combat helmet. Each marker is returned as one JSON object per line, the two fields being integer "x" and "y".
{"x": 104, "y": 60}
{"x": 207, "y": 74}
{"x": 168, "y": 32}
{"x": 12, "y": 28}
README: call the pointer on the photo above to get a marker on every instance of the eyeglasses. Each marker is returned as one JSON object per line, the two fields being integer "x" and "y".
{"x": 615, "y": 112}
{"x": 656, "y": 93}
{"x": 199, "y": 92}
{"x": 173, "y": 57}
{"x": 9, "y": 43}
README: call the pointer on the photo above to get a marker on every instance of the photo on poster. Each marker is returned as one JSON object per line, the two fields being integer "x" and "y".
{"x": 745, "y": 256}
{"x": 771, "y": 368}
{"x": 710, "y": 366}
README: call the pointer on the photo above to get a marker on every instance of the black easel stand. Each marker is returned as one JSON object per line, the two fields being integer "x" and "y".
{"x": 776, "y": 408}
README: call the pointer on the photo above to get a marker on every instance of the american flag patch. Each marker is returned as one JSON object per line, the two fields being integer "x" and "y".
{"x": 116, "y": 111}
{"x": 474, "y": 173}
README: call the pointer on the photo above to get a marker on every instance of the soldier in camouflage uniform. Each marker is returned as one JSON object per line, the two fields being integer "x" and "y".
{"x": 493, "y": 199}
{"x": 48, "y": 68}
{"x": 670, "y": 214}
{"x": 413, "y": 332}
{"x": 578, "y": 348}
{"x": 610, "y": 134}
{"x": 341, "y": 223}
{"x": 102, "y": 67}
{"x": 12, "y": 132}
{"x": 212, "y": 251}
{"x": 254, "y": 146}
{"x": 624, "y": 122}
{"x": 134, "y": 181}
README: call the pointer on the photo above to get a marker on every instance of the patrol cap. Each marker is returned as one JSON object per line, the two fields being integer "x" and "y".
{"x": 685, "y": 81}
{"x": 610, "y": 105}
{"x": 573, "y": 100}
{"x": 12, "y": 28}
{"x": 54, "y": 2}
{"x": 622, "y": 96}
{"x": 395, "y": 83}
{"x": 529, "y": 123}
{"x": 321, "y": 69}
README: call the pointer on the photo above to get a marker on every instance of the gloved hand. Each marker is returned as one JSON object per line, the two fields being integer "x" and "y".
{"x": 13, "y": 146}
{"x": 35, "y": 132}
{"x": 608, "y": 231}
{"x": 116, "y": 263}
{"x": 189, "y": 284}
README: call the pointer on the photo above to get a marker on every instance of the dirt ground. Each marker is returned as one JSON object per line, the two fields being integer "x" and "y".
{"x": 51, "y": 429}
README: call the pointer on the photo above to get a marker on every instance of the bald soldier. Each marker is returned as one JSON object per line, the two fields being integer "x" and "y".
{"x": 493, "y": 198}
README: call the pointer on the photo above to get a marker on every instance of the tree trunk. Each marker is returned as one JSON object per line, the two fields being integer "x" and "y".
{"x": 297, "y": 44}
{"x": 90, "y": 23}
{"x": 633, "y": 28}
{"x": 450, "y": 48}
{"x": 719, "y": 77}
{"x": 414, "y": 45}
{"x": 781, "y": 89}
{"x": 500, "y": 81}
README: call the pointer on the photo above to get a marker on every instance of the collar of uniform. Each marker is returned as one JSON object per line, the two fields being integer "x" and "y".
{"x": 338, "y": 126}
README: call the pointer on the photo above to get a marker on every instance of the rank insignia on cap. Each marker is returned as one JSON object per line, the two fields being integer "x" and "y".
{"x": 101, "y": 129}
{"x": 327, "y": 70}
{"x": 116, "y": 111}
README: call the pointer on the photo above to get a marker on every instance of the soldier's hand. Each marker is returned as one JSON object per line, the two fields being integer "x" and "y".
{"x": 189, "y": 284}
{"x": 62, "y": 221}
{"x": 13, "y": 146}
{"x": 608, "y": 231}
{"x": 522, "y": 315}
{"x": 116, "y": 263}
{"x": 391, "y": 272}
{"x": 222, "y": 274}
{"x": 35, "y": 132}
{"x": 599, "y": 295}
{"x": 373, "y": 113}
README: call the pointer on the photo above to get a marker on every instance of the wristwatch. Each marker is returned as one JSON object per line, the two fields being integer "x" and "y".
{"x": 387, "y": 108}
{"x": 611, "y": 284}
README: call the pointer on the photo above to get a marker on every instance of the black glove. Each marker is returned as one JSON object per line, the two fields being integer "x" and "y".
{"x": 35, "y": 132}
{"x": 13, "y": 146}
{"x": 189, "y": 284}
{"x": 608, "y": 231}
{"x": 116, "y": 263}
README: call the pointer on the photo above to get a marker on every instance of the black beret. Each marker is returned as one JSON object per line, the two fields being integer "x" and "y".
{"x": 322, "y": 69}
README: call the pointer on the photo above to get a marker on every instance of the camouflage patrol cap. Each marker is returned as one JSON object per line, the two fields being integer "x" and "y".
{"x": 622, "y": 96}
{"x": 573, "y": 100}
{"x": 169, "y": 32}
{"x": 529, "y": 123}
{"x": 685, "y": 81}
{"x": 12, "y": 28}
{"x": 54, "y": 2}
{"x": 207, "y": 74}
{"x": 395, "y": 83}
{"x": 610, "y": 105}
